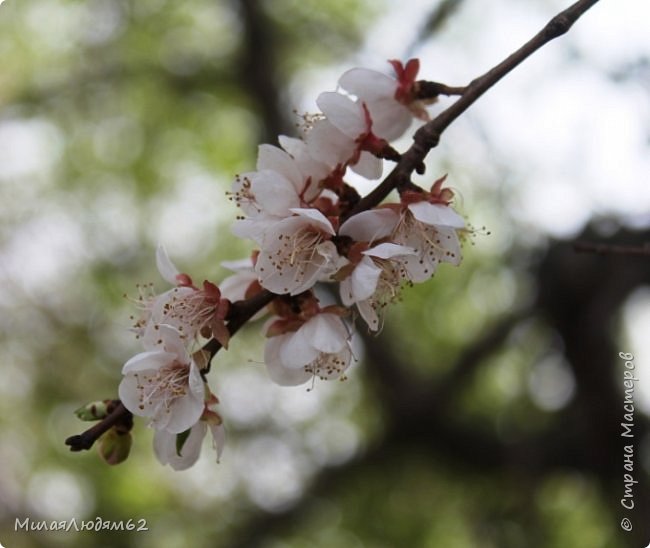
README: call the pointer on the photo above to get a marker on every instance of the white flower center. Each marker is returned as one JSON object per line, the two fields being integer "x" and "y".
{"x": 431, "y": 241}
{"x": 188, "y": 312}
{"x": 328, "y": 366}
{"x": 297, "y": 251}
{"x": 164, "y": 386}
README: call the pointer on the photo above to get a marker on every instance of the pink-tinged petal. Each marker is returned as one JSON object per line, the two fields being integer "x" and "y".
{"x": 368, "y": 85}
{"x": 244, "y": 196}
{"x": 345, "y": 290}
{"x": 364, "y": 279}
{"x": 170, "y": 340}
{"x": 316, "y": 218}
{"x": 275, "y": 159}
{"x": 307, "y": 280}
{"x": 183, "y": 413}
{"x": 234, "y": 287}
{"x": 368, "y": 166}
{"x": 254, "y": 229}
{"x": 164, "y": 444}
{"x": 239, "y": 265}
{"x": 293, "y": 146}
{"x": 371, "y": 225}
{"x": 328, "y": 145}
{"x": 196, "y": 384}
{"x": 279, "y": 374}
{"x": 274, "y": 193}
{"x": 344, "y": 113}
{"x": 390, "y": 119}
{"x": 150, "y": 360}
{"x": 159, "y": 416}
{"x": 388, "y": 250}
{"x": 130, "y": 394}
{"x": 326, "y": 333}
{"x": 450, "y": 251}
{"x": 297, "y": 351}
{"x": 419, "y": 269}
{"x": 368, "y": 314}
{"x": 218, "y": 438}
{"x": 167, "y": 269}
{"x": 436, "y": 214}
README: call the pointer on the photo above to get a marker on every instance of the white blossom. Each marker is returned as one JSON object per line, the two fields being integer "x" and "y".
{"x": 390, "y": 100}
{"x": 431, "y": 230}
{"x": 375, "y": 281}
{"x": 319, "y": 348}
{"x": 164, "y": 383}
{"x": 295, "y": 252}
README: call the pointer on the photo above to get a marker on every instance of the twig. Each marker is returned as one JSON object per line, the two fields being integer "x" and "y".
{"x": 242, "y": 311}
{"x": 90, "y": 436}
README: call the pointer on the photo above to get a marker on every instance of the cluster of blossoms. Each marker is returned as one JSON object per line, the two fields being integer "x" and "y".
{"x": 303, "y": 217}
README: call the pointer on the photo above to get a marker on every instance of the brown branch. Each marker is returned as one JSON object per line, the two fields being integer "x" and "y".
{"x": 241, "y": 312}
{"x": 86, "y": 439}
{"x": 428, "y": 136}
{"x": 612, "y": 249}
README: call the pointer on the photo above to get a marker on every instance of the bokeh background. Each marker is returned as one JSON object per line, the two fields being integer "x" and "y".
{"x": 486, "y": 414}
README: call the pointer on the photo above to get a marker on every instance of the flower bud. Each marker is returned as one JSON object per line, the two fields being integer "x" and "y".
{"x": 95, "y": 410}
{"x": 114, "y": 446}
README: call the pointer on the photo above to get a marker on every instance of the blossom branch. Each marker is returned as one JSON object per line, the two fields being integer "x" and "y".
{"x": 428, "y": 136}
{"x": 240, "y": 313}
{"x": 297, "y": 231}
{"x": 86, "y": 439}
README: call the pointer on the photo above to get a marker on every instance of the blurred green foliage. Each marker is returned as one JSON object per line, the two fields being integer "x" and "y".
{"x": 123, "y": 123}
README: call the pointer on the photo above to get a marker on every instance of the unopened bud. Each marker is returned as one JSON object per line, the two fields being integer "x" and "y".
{"x": 95, "y": 410}
{"x": 114, "y": 446}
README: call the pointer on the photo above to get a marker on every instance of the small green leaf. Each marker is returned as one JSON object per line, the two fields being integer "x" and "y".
{"x": 181, "y": 439}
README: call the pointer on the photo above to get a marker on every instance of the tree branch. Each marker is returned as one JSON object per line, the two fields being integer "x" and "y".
{"x": 86, "y": 439}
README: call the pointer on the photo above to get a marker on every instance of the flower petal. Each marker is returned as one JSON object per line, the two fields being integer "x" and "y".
{"x": 436, "y": 214}
{"x": 325, "y": 332}
{"x": 368, "y": 166}
{"x": 344, "y": 113}
{"x": 272, "y": 158}
{"x": 218, "y": 438}
{"x": 364, "y": 279}
{"x": 316, "y": 219}
{"x": 388, "y": 250}
{"x": 165, "y": 266}
{"x": 367, "y": 84}
{"x": 184, "y": 412}
{"x": 371, "y": 225}
{"x": 279, "y": 374}
{"x": 146, "y": 361}
{"x": 164, "y": 444}
{"x": 297, "y": 350}
{"x": 368, "y": 314}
